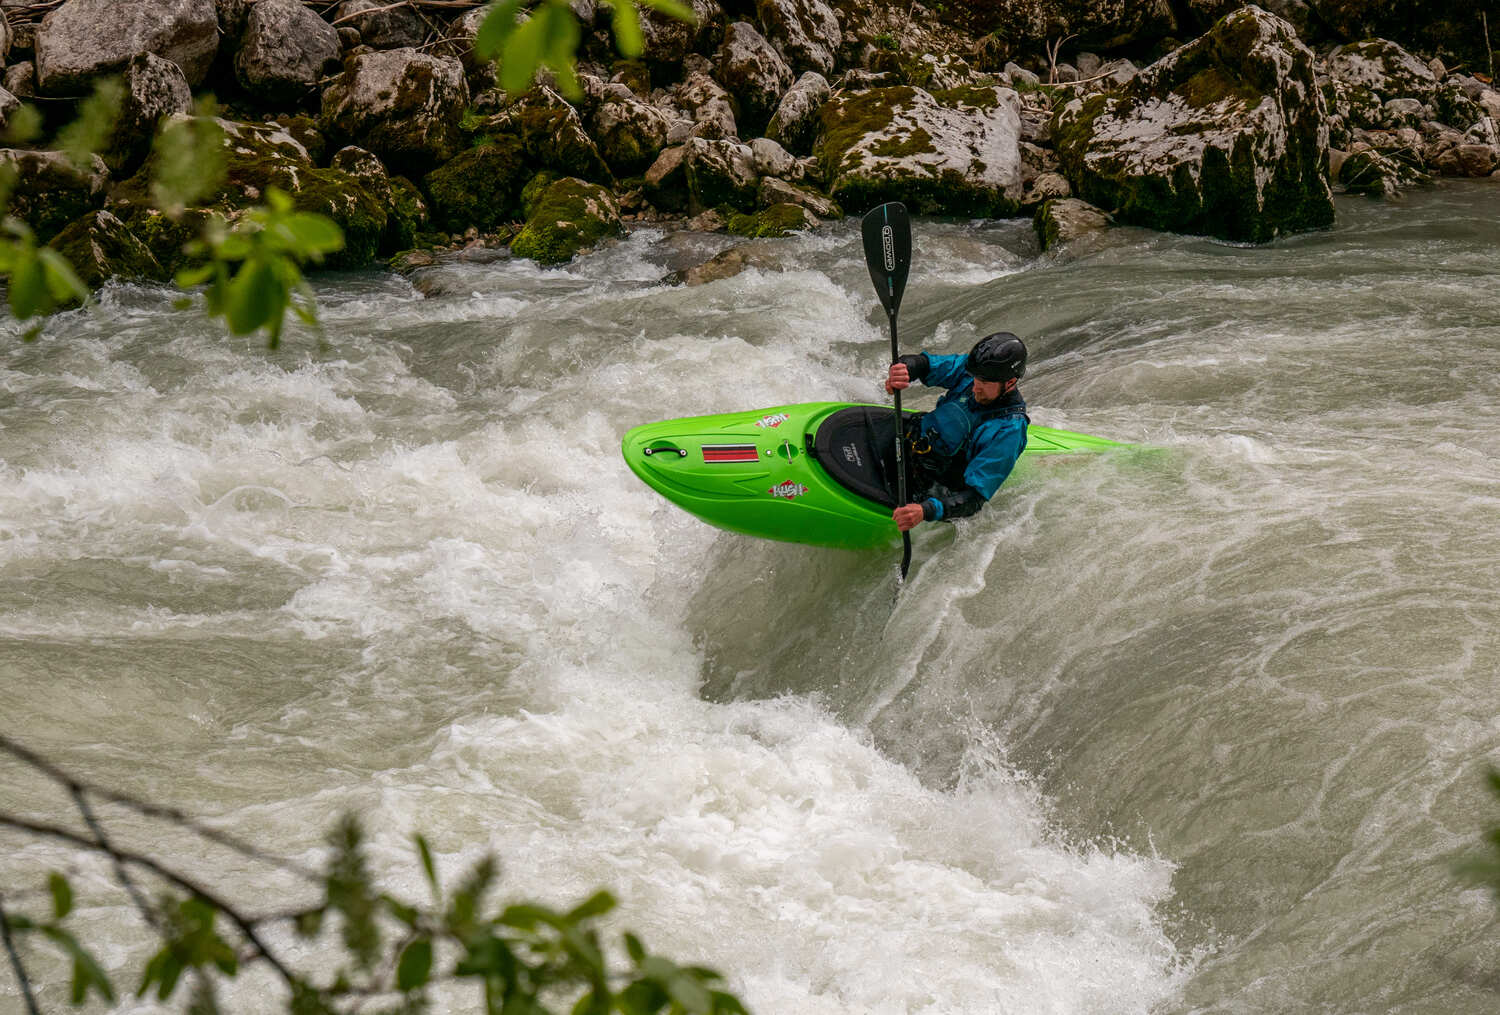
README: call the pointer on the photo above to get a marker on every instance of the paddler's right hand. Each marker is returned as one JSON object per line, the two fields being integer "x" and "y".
{"x": 898, "y": 379}
{"x": 908, "y": 516}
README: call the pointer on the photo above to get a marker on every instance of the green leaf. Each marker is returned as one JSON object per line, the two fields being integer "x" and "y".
{"x": 187, "y": 278}
{"x": 595, "y": 1002}
{"x": 314, "y": 235}
{"x": 25, "y": 125}
{"x": 672, "y": 9}
{"x": 428, "y": 867}
{"x": 595, "y": 905}
{"x": 627, "y": 27}
{"x": 309, "y": 923}
{"x": 28, "y": 285}
{"x": 496, "y": 28}
{"x": 415, "y": 966}
{"x": 91, "y": 129}
{"x": 87, "y": 973}
{"x": 643, "y": 997}
{"x": 62, "y": 281}
{"x": 256, "y": 298}
{"x": 521, "y": 55}
{"x": 634, "y": 948}
{"x": 62, "y": 895}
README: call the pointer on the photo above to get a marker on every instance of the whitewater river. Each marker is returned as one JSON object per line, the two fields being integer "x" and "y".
{"x": 1199, "y": 728}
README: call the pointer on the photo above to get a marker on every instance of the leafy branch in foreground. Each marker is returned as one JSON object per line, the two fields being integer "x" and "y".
{"x": 521, "y": 959}
{"x": 1484, "y": 868}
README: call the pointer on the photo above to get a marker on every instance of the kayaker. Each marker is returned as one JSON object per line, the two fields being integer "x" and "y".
{"x": 958, "y": 454}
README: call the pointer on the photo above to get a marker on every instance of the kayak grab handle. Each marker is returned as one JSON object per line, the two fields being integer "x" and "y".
{"x": 662, "y": 446}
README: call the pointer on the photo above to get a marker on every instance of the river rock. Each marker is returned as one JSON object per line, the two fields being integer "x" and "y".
{"x": 669, "y": 41}
{"x": 8, "y": 105}
{"x": 480, "y": 187}
{"x": 154, "y": 87}
{"x": 727, "y": 264}
{"x": 795, "y": 123}
{"x": 402, "y": 105}
{"x": 1044, "y": 187}
{"x": 774, "y": 222}
{"x": 1092, "y": 24}
{"x": 382, "y": 26}
{"x": 406, "y": 210}
{"x": 569, "y": 216}
{"x": 101, "y": 247}
{"x": 702, "y": 99}
{"x": 285, "y": 51}
{"x": 1065, "y": 220}
{"x": 953, "y": 152}
{"x": 1373, "y": 173}
{"x": 755, "y": 75}
{"x": 232, "y": 16}
{"x": 773, "y": 191}
{"x": 553, "y": 134}
{"x": 86, "y": 39}
{"x": 773, "y": 160}
{"x": 805, "y": 32}
{"x": 719, "y": 173}
{"x": 5, "y": 39}
{"x": 20, "y": 79}
{"x": 50, "y": 191}
{"x": 629, "y": 132}
{"x": 1226, "y": 136}
{"x": 665, "y": 183}
{"x": 1385, "y": 69}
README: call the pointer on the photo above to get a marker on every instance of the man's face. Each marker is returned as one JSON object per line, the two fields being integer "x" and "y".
{"x": 985, "y": 391}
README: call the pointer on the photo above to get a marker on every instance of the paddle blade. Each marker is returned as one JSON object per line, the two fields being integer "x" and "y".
{"x": 887, "y": 235}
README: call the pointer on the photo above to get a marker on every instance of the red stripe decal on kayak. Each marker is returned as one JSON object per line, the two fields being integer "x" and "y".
{"x": 730, "y": 453}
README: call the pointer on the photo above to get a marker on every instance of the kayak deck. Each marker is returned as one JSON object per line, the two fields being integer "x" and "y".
{"x": 758, "y": 473}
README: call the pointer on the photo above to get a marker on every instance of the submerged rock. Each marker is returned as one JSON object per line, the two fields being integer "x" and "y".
{"x": 101, "y": 247}
{"x": 569, "y": 216}
{"x": 1065, "y": 220}
{"x": 86, "y": 39}
{"x": 954, "y": 152}
{"x": 1226, "y": 136}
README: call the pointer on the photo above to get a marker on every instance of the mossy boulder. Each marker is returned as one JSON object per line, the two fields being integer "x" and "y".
{"x": 1065, "y": 220}
{"x": 50, "y": 191}
{"x": 776, "y": 221}
{"x": 403, "y": 105}
{"x": 954, "y": 152}
{"x": 719, "y": 173}
{"x": 1385, "y": 69}
{"x": 101, "y": 247}
{"x": 571, "y": 215}
{"x": 630, "y": 133}
{"x": 258, "y": 157}
{"x": 1226, "y": 137}
{"x": 480, "y": 188}
{"x": 552, "y": 135}
{"x": 795, "y": 123}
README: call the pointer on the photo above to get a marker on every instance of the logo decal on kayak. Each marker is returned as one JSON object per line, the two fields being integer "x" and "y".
{"x": 730, "y": 453}
{"x": 772, "y": 421}
{"x": 851, "y": 455}
{"x": 787, "y": 490}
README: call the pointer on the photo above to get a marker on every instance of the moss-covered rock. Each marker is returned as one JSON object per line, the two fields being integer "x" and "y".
{"x": 552, "y": 135}
{"x": 403, "y": 105}
{"x": 571, "y": 215}
{"x": 480, "y": 187}
{"x": 1065, "y": 220}
{"x": 101, "y": 247}
{"x": 407, "y": 216}
{"x": 1226, "y": 136}
{"x": 630, "y": 133}
{"x": 776, "y": 221}
{"x": 50, "y": 191}
{"x": 258, "y": 157}
{"x": 719, "y": 173}
{"x": 952, "y": 153}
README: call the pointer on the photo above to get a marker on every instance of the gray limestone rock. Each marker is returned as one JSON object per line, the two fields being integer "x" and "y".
{"x": 86, "y": 39}
{"x": 403, "y": 105}
{"x": 285, "y": 52}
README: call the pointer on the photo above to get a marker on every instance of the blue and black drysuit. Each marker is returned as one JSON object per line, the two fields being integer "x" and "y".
{"x": 959, "y": 453}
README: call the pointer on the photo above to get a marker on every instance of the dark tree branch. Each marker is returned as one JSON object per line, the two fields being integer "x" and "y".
{"x": 245, "y": 924}
{"x": 15, "y": 962}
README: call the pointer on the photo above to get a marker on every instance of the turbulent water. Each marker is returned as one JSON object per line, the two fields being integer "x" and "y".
{"x": 1198, "y": 727}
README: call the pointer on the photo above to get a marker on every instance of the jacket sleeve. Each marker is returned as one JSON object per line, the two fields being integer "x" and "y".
{"x": 945, "y": 371}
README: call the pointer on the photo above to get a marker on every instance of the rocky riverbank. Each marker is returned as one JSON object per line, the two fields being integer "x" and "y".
{"x": 762, "y": 118}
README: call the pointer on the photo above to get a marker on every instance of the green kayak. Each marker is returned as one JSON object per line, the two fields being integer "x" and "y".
{"x": 810, "y": 473}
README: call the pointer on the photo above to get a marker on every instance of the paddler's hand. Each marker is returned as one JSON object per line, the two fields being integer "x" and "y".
{"x": 908, "y": 516}
{"x": 898, "y": 380}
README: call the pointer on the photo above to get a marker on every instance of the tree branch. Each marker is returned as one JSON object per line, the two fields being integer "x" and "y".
{"x": 15, "y": 962}
{"x": 245, "y": 924}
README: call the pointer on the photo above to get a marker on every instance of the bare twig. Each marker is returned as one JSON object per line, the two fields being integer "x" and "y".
{"x": 170, "y": 814}
{"x": 245, "y": 924}
{"x": 1053, "y": 49}
{"x": 15, "y": 962}
{"x": 1489, "y": 51}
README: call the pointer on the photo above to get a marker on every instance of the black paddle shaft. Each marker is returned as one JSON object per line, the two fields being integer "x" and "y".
{"x": 887, "y": 236}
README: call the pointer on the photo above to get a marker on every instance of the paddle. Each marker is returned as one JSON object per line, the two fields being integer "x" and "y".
{"x": 887, "y": 235}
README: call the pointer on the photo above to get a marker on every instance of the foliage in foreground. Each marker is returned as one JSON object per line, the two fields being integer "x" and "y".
{"x": 518, "y": 959}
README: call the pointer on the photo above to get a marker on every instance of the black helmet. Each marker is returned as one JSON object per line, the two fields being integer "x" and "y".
{"x": 997, "y": 357}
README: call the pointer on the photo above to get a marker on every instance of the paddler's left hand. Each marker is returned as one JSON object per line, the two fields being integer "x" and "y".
{"x": 908, "y": 516}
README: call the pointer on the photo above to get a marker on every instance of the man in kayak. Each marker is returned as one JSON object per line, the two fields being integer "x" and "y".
{"x": 958, "y": 454}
